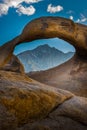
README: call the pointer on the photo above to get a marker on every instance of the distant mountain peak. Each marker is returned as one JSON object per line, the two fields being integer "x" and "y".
{"x": 45, "y": 46}
{"x": 42, "y": 58}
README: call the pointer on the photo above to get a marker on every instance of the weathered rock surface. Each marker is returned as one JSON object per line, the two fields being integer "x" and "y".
{"x": 76, "y": 108}
{"x": 49, "y": 27}
{"x": 13, "y": 65}
{"x": 25, "y": 101}
{"x": 61, "y": 123}
{"x": 28, "y": 104}
{"x": 71, "y": 76}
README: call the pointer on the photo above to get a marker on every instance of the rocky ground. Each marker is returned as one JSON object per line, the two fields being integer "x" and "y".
{"x": 26, "y": 104}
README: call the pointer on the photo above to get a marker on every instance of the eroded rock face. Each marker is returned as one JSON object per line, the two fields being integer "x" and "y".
{"x": 74, "y": 108}
{"x": 28, "y": 104}
{"x": 71, "y": 76}
{"x": 13, "y": 65}
{"x": 61, "y": 123}
{"x": 24, "y": 100}
{"x": 49, "y": 27}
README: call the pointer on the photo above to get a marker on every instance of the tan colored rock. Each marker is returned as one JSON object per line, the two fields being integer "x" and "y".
{"x": 27, "y": 100}
{"x": 48, "y": 27}
{"x": 13, "y": 65}
{"x": 7, "y": 120}
{"x": 70, "y": 76}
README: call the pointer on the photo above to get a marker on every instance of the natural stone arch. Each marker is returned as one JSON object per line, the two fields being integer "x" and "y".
{"x": 49, "y": 27}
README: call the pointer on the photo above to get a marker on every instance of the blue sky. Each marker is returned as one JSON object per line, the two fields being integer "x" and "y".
{"x": 15, "y": 14}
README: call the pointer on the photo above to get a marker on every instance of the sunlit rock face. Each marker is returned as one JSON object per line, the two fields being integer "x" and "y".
{"x": 26, "y": 104}
{"x": 49, "y": 27}
{"x": 24, "y": 100}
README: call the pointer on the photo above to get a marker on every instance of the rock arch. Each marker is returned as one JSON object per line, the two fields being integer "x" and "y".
{"x": 48, "y": 27}
{"x": 57, "y": 106}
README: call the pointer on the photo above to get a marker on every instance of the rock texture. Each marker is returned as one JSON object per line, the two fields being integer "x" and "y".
{"x": 49, "y": 27}
{"x": 23, "y": 99}
{"x": 26, "y": 104}
{"x": 13, "y": 65}
{"x": 61, "y": 123}
{"x": 71, "y": 76}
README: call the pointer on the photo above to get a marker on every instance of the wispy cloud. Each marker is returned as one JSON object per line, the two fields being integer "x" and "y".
{"x": 6, "y": 4}
{"x": 82, "y": 19}
{"x": 70, "y": 12}
{"x": 54, "y": 9}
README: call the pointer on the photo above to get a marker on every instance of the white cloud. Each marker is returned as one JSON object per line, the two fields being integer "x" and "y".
{"x": 15, "y": 3}
{"x": 26, "y": 10}
{"x": 82, "y": 19}
{"x": 54, "y": 9}
{"x": 4, "y": 7}
{"x": 71, "y": 17}
{"x": 78, "y": 21}
{"x": 32, "y": 1}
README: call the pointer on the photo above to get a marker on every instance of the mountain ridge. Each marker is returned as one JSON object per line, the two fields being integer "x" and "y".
{"x": 42, "y": 58}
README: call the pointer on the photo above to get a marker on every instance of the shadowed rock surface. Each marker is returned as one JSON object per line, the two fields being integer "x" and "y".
{"x": 71, "y": 76}
{"x": 13, "y": 65}
{"x": 61, "y": 123}
{"x": 26, "y": 104}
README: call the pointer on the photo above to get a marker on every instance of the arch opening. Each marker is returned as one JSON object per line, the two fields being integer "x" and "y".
{"x": 49, "y": 27}
{"x": 44, "y": 54}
